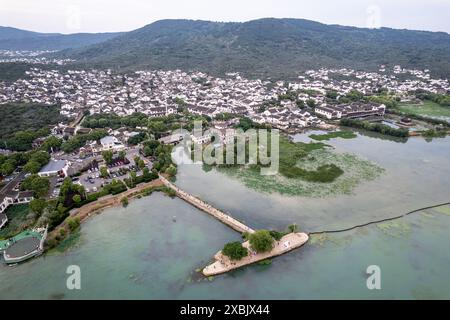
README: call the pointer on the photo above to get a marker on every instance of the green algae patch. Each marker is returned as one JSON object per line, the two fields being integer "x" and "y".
{"x": 444, "y": 210}
{"x": 332, "y": 135}
{"x": 427, "y": 214}
{"x": 73, "y": 240}
{"x": 318, "y": 239}
{"x": 354, "y": 172}
{"x": 395, "y": 228}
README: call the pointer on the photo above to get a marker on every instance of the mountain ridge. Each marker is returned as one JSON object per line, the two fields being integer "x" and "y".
{"x": 268, "y": 47}
{"x": 17, "y": 39}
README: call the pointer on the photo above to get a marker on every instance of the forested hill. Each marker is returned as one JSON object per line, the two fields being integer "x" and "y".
{"x": 267, "y": 47}
{"x": 17, "y": 39}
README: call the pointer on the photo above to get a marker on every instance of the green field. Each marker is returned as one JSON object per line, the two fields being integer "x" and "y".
{"x": 427, "y": 109}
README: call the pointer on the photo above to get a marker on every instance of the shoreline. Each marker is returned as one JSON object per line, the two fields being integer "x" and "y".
{"x": 109, "y": 201}
{"x": 223, "y": 264}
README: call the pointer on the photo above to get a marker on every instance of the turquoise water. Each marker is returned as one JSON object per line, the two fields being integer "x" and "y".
{"x": 139, "y": 252}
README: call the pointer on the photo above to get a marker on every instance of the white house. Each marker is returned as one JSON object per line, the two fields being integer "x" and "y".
{"x": 111, "y": 143}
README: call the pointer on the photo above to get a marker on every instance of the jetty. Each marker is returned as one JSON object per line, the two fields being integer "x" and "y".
{"x": 224, "y": 264}
{"x": 205, "y": 207}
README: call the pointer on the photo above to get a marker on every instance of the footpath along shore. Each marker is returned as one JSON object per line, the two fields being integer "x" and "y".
{"x": 285, "y": 244}
{"x": 112, "y": 201}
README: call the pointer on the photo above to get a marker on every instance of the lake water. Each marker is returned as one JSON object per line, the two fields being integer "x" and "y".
{"x": 139, "y": 252}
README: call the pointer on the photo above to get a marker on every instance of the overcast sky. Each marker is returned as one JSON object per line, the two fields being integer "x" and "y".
{"x": 70, "y": 16}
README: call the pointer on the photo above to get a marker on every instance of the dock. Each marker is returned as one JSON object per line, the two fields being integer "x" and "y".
{"x": 205, "y": 207}
{"x": 223, "y": 264}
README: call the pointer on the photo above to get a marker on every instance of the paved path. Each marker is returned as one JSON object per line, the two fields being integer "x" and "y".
{"x": 224, "y": 264}
{"x": 220, "y": 215}
{"x": 111, "y": 200}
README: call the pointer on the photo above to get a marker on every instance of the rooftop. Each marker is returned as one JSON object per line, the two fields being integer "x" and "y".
{"x": 54, "y": 165}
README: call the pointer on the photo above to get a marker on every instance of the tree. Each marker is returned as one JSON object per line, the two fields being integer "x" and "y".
{"x": 147, "y": 151}
{"x": 124, "y": 201}
{"x": 293, "y": 228}
{"x": 261, "y": 241}
{"x": 139, "y": 162}
{"x": 51, "y": 143}
{"x": 38, "y": 206}
{"x": 7, "y": 168}
{"x": 136, "y": 139}
{"x": 171, "y": 171}
{"x": 73, "y": 223}
{"x": 32, "y": 167}
{"x": 310, "y": 103}
{"x": 156, "y": 126}
{"x": 39, "y": 185}
{"x": 300, "y": 104}
{"x": 235, "y": 250}
{"x": 41, "y": 157}
{"x": 332, "y": 94}
{"x": 108, "y": 156}
{"x": 104, "y": 172}
{"x": 354, "y": 95}
{"x": 76, "y": 198}
{"x": 133, "y": 176}
{"x": 122, "y": 154}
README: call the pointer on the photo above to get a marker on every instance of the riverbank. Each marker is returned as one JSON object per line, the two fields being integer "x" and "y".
{"x": 111, "y": 201}
{"x": 223, "y": 264}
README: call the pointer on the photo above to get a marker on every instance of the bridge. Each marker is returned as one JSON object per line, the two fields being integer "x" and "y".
{"x": 205, "y": 207}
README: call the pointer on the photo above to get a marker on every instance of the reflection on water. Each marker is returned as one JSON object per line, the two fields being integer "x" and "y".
{"x": 139, "y": 252}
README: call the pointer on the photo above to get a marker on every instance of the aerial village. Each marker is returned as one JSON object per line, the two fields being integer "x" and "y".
{"x": 117, "y": 155}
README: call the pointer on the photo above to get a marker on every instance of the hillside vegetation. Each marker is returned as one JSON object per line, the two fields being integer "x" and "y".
{"x": 266, "y": 47}
{"x": 16, "y": 39}
{"x": 19, "y": 117}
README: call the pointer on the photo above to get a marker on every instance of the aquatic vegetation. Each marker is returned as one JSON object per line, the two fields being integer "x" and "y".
{"x": 70, "y": 242}
{"x": 355, "y": 171}
{"x": 395, "y": 228}
{"x": 265, "y": 262}
{"x": 427, "y": 214}
{"x": 335, "y": 134}
{"x": 444, "y": 210}
{"x": 318, "y": 239}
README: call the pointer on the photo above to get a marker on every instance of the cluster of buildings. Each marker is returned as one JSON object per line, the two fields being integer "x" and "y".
{"x": 355, "y": 110}
{"x": 32, "y": 57}
{"x": 154, "y": 93}
{"x": 397, "y": 80}
{"x": 161, "y": 93}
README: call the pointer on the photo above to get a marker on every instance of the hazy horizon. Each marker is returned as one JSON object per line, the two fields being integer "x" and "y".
{"x": 82, "y": 16}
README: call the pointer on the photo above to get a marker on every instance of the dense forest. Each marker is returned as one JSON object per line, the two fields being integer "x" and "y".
{"x": 21, "y": 124}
